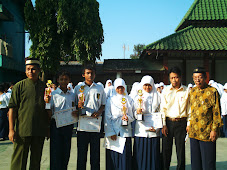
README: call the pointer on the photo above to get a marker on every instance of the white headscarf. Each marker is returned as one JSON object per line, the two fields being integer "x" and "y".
{"x": 190, "y": 85}
{"x": 108, "y": 81}
{"x": 224, "y": 101}
{"x": 154, "y": 94}
{"x": 133, "y": 92}
{"x": 119, "y": 82}
{"x": 225, "y": 86}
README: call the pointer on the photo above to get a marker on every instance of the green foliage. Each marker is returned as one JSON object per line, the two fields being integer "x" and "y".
{"x": 138, "y": 49}
{"x": 64, "y": 30}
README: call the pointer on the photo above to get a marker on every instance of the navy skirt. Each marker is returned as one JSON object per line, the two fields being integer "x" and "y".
{"x": 146, "y": 153}
{"x": 117, "y": 161}
{"x": 4, "y": 127}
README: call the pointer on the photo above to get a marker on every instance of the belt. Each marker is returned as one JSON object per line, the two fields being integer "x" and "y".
{"x": 176, "y": 119}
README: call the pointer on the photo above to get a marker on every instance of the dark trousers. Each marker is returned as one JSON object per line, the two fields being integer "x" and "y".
{"x": 225, "y": 126}
{"x": 178, "y": 131}
{"x": 21, "y": 149}
{"x": 4, "y": 128}
{"x": 60, "y": 146}
{"x": 203, "y": 155}
{"x": 83, "y": 140}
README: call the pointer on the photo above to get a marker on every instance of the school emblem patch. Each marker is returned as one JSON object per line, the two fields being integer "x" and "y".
{"x": 98, "y": 95}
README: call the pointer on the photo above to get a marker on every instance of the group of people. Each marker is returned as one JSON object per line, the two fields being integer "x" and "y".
{"x": 144, "y": 114}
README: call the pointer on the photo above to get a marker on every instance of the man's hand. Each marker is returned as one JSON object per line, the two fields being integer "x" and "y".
{"x": 213, "y": 136}
{"x": 11, "y": 136}
{"x": 95, "y": 115}
{"x": 125, "y": 117}
{"x": 47, "y": 98}
{"x": 75, "y": 113}
{"x": 139, "y": 111}
{"x": 165, "y": 131}
{"x": 152, "y": 129}
{"x": 187, "y": 128}
{"x": 114, "y": 137}
{"x": 80, "y": 104}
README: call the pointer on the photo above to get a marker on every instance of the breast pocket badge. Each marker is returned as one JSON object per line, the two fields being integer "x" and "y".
{"x": 98, "y": 96}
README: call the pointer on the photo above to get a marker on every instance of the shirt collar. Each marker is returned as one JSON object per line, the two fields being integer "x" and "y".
{"x": 181, "y": 87}
{"x": 93, "y": 84}
{"x": 59, "y": 91}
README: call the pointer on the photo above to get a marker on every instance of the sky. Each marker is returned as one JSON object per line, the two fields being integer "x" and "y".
{"x": 132, "y": 22}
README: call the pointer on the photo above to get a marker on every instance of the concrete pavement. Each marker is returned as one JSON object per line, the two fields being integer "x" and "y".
{"x": 6, "y": 148}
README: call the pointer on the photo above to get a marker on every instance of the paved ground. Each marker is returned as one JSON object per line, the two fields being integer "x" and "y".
{"x": 6, "y": 148}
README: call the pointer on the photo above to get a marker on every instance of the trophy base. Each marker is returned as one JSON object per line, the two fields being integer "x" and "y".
{"x": 48, "y": 106}
{"x": 140, "y": 117}
{"x": 82, "y": 112}
{"x": 124, "y": 123}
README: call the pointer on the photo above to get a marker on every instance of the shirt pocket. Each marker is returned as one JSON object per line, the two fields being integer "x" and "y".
{"x": 97, "y": 96}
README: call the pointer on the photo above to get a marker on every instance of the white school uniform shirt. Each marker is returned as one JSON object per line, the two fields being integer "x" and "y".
{"x": 94, "y": 97}
{"x": 224, "y": 104}
{"x": 148, "y": 107}
{"x": 174, "y": 103}
{"x": 61, "y": 101}
{"x": 4, "y": 101}
{"x": 113, "y": 116}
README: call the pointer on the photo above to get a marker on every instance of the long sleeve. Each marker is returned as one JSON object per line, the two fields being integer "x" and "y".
{"x": 109, "y": 129}
{"x": 217, "y": 122}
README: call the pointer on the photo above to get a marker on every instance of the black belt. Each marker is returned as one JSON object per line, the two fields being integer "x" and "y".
{"x": 176, "y": 119}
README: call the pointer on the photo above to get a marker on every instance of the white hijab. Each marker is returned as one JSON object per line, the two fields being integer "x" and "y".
{"x": 154, "y": 94}
{"x": 133, "y": 92}
{"x": 117, "y": 98}
{"x": 108, "y": 81}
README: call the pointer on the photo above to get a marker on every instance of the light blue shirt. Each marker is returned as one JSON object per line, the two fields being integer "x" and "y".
{"x": 113, "y": 116}
{"x": 94, "y": 98}
{"x": 4, "y": 101}
{"x": 61, "y": 101}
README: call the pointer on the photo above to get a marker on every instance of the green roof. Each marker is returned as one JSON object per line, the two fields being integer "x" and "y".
{"x": 193, "y": 38}
{"x": 204, "y": 10}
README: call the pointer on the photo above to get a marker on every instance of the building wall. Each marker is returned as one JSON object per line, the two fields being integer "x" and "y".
{"x": 220, "y": 71}
{"x": 14, "y": 33}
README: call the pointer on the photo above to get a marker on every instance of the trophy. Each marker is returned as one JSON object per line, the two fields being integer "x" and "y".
{"x": 81, "y": 98}
{"x": 48, "y": 93}
{"x": 124, "y": 110}
{"x": 140, "y": 103}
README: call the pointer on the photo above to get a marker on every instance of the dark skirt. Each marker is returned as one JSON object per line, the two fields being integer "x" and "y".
{"x": 117, "y": 161}
{"x": 146, "y": 153}
{"x": 4, "y": 127}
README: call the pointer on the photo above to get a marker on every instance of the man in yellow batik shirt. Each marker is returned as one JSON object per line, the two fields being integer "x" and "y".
{"x": 205, "y": 122}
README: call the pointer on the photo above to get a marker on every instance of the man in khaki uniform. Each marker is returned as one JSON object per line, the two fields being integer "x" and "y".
{"x": 28, "y": 120}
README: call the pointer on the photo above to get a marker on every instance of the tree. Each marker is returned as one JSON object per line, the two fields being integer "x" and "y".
{"x": 64, "y": 30}
{"x": 138, "y": 49}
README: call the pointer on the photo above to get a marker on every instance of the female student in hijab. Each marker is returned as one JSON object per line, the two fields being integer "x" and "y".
{"x": 109, "y": 89}
{"x": 224, "y": 109}
{"x": 119, "y": 108}
{"x": 146, "y": 150}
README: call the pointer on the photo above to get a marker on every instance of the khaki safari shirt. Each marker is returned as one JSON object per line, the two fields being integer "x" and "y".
{"x": 205, "y": 112}
{"x": 28, "y": 98}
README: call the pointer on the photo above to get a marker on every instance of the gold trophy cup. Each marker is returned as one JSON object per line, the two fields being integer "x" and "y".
{"x": 124, "y": 111}
{"x": 81, "y": 98}
{"x": 140, "y": 103}
{"x": 48, "y": 93}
